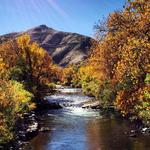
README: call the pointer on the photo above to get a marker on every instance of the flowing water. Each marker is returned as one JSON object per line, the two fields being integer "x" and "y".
{"x": 74, "y": 128}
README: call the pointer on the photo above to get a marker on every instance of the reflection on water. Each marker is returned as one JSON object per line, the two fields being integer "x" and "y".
{"x": 110, "y": 134}
{"x": 85, "y": 129}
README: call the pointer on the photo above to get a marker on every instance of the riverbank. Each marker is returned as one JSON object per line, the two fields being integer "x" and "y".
{"x": 75, "y": 128}
{"x": 34, "y": 124}
{"x": 27, "y": 132}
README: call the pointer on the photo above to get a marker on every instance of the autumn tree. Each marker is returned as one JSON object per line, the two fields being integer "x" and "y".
{"x": 26, "y": 72}
{"x": 120, "y": 59}
{"x": 29, "y": 64}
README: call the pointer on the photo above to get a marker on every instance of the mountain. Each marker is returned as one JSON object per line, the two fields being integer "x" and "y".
{"x": 64, "y": 47}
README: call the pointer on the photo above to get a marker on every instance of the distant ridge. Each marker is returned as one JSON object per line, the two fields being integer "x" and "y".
{"x": 64, "y": 47}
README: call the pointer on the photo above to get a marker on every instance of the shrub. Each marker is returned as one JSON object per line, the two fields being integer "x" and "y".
{"x": 14, "y": 100}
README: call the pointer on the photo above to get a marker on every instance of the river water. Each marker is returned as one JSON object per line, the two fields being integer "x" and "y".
{"x": 74, "y": 128}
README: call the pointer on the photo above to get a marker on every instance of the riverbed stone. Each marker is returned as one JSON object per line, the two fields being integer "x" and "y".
{"x": 146, "y": 130}
{"x": 91, "y": 104}
{"x": 27, "y": 127}
{"x": 44, "y": 129}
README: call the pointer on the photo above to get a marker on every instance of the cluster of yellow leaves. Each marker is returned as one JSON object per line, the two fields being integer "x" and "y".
{"x": 14, "y": 100}
{"x": 3, "y": 69}
{"x": 13, "y": 96}
{"x": 5, "y": 134}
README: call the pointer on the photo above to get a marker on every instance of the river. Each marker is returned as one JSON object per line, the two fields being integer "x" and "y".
{"x": 74, "y": 128}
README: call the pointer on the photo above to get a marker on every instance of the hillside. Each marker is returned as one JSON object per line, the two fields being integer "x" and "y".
{"x": 64, "y": 47}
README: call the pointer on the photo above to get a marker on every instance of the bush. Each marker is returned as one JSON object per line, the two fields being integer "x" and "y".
{"x": 90, "y": 86}
{"x": 14, "y": 100}
{"x": 51, "y": 86}
{"x": 107, "y": 95}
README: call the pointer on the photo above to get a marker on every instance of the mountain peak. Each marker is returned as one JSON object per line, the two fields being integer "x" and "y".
{"x": 40, "y": 28}
{"x": 43, "y": 26}
{"x": 64, "y": 47}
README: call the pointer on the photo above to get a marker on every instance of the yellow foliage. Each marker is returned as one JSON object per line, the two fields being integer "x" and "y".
{"x": 14, "y": 100}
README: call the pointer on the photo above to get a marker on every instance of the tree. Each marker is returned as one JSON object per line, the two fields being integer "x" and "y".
{"x": 121, "y": 57}
{"x": 30, "y": 64}
{"x": 26, "y": 71}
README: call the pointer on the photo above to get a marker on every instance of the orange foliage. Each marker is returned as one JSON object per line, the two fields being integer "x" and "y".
{"x": 122, "y": 55}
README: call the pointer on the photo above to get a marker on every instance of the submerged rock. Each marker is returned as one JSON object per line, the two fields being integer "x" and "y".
{"x": 133, "y": 135}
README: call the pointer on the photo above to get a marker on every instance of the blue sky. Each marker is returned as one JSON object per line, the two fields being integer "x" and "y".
{"x": 67, "y": 15}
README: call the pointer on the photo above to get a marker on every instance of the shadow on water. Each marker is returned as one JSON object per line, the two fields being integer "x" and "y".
{"x": 85, "y": 129}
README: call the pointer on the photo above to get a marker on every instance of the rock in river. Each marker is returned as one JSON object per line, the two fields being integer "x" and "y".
{"x": 44, "y": 129}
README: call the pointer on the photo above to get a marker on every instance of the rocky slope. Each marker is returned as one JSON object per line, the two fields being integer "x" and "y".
{"x": 64, "y": 47}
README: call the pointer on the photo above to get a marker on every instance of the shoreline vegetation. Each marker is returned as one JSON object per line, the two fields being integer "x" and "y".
{"x": 27, "y": 74}
{"x": 116, "y": 73}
